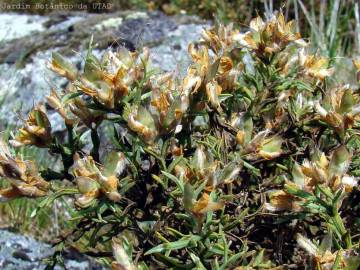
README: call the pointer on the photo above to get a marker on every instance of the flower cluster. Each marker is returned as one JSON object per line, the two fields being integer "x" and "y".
{"x": 314, "y": 173}
{"x": 93, "y": 180}
{"x": 36, "y": 130}
{"x": 339, "y": 109}
{"x": 268, "y": 38}
{"x": 22, "y": 175}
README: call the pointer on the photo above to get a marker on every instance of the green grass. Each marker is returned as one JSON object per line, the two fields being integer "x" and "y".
{"x": 19, "y": 214}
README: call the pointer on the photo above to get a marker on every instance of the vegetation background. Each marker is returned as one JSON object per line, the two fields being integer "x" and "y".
{"x": 332, "y": 25}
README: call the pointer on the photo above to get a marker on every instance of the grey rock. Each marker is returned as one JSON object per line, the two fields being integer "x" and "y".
{"x": 19, "y": 252}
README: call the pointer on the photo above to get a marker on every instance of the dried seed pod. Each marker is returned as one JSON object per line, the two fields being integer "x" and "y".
{"x": 36, "y": 130}
{"x": 23, "y": 176}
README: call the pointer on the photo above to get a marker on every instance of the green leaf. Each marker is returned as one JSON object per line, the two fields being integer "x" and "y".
{"x": 298, "y": 192}
{"x": 337, "y": 260}
{"x": 177, "y": 181}
{"x": 145, "y": 118}
{"x": 174, "y": 245}
{"x": 259, "y": 258}
{"x": 272, "y": 145}
{"x": 248, "y": 127}
{"x": 70, "y": 96}
{"x": 254, "y": 170}
{"x": 175, "y": 162}
{"x": 146, "y": 226}
{"x": 197, "y": 261}
{"x": 347, "y": 102}
{"x": 234, "y": 259}
{"x": 223, "y": 97}
{"x": 113, "y": 163}
{"x": 40, "y": 120}
{"x": 60, "y": 61}
{"x": 188, "y": 197}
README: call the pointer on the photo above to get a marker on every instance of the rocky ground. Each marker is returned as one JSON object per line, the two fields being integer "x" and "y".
{"x": 27, "y": 42}
{"x": 18, "y": 252}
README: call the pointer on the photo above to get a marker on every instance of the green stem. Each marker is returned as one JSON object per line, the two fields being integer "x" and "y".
{"x": 70, "y": 135}
{"x": 96, "y": 144}
{"x": 339, "y": 224}
{"x": 50, "y": 174}
{"x": 66, "y": 157}
{"x": 157, "y": 156}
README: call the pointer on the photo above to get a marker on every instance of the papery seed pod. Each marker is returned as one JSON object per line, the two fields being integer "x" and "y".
{"x": 191, "y": 83}
{"x": 36, "y": 130}
{"x": 267, "y": 38}
{"x": 271, "y": 147}
{"x": 121, "y": 83}
{"x": 205, "y": 205}
{"x": 27, "y": 190}
{"x": 240, "y": 137}
{"x": 84, "y": 201}
{"x": 54, "y": 101}
{"x": 87, "y": 186}
{"x": 281, "y": 200}
{"x": 201, "y": 160}
{"x": 213, "y": 90}
{"x": 339, "y": 162}
{"x": 114, "y": 163}
{"x": 298, "y": 176}
{"x": 228, "y": 174}
{"x": 143, "y": 123}
{"x": 87, "y": 116}
{"x": 109, "y": 187}
{"x": 161, "y": 104}
{"x": 226, "y": 65}
{"x": 212, "y": 38}
{"x": 123, "y": 260}
{"x": 201, "y": 60}
{"x": 93, "y": 180}
{"x": 83, "y": 166}
{"x": 63, "y": 67}
{"x": 324, "y": 258}
{"x": 64, "y": 110}
{"x": 355, "y": 110}
{"x": 109, "y": 84}
{"x": 349, "y": 182}
{"x": 347, "y": 101}
{"x": 317, "y": 67}
{"x": 4, "y": 150}
{"x": 306, "y": 244}
{"x": 23, "y": 176}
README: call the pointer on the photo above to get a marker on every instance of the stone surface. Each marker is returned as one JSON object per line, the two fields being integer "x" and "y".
{"x": 25, "y": 79}
{"x": 17, "y": 26}
{"x": 18, "y": 252}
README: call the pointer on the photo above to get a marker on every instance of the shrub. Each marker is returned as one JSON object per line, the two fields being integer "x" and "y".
{"x": 250, "y": 155}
